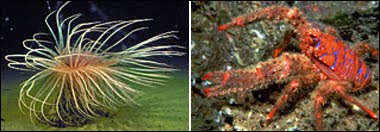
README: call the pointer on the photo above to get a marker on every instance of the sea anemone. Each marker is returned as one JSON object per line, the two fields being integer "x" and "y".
{"x": 79, "y": 75}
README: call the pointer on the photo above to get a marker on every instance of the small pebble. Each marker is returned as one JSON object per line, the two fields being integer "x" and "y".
{"x": 192, "y": 82}
{"x": 289, "y": 121}
{"x": 206, "y": 41}
{"x": 220, "y": 128}
{"x": 206, "y": 83}
{"x": 294, "y": 128}
{"x": 240, "y": 128}
{"x": 282, "y": 27}
{"x": 355, "y": 107}
{"x": 217, "y": 119}
{"x": 232, "y": 101}
{"x": 203, "y": 57}
{"x": 249, "y": 114}
{"x": 192, "y": 44}
{"x": 229, "y": 67}
{"x": 333, "y": 105}
{"x": 237, "y": 128}
{"x": 227, "y": 111}
{"x": 261, "y": 36}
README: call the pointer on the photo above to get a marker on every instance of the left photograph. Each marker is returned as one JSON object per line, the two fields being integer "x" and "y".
{"x": 92, "y": 65}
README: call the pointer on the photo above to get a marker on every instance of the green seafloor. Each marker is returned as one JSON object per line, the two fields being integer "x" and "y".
{"x": 162, "y": 108}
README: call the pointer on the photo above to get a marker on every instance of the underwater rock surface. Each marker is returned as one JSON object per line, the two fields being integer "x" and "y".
{"x": 214, "y": 50}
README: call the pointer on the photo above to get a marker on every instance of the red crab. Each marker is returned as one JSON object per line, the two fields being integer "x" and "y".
{"x": 325, "y": 61}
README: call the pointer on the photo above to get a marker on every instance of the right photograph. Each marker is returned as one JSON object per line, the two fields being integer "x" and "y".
{"x": 284, "y": 66}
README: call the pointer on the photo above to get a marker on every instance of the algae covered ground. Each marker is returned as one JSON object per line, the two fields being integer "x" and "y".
{"x": 162, "y": 108}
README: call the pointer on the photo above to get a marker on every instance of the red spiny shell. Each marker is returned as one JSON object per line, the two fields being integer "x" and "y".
{"x": 341, "y": 60}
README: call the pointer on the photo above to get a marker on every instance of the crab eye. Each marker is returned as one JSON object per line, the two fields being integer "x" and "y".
{"x": 315, "y": 41}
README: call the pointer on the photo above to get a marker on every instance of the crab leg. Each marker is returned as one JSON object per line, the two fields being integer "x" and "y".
{"x": 284, "y": 43}
{"x": 362, "y": 48}
{"x": 277, "y": 69}
{"x": 324, "y": 89}
{"x": 334, "y": 87}
{"x": 291, "y": 15}
{"x": 347, "y": 97}
{"x": 290, "y": 89}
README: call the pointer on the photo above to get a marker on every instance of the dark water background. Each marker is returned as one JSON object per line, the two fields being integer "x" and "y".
{"x": 20, "y": 20}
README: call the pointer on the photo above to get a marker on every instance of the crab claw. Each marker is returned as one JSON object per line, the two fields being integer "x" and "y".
{"x": 206, "y": 91}
{"x": 222, "y": 28}
{"x": 216, "y": 77}
{"x": 207, "y": 76}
